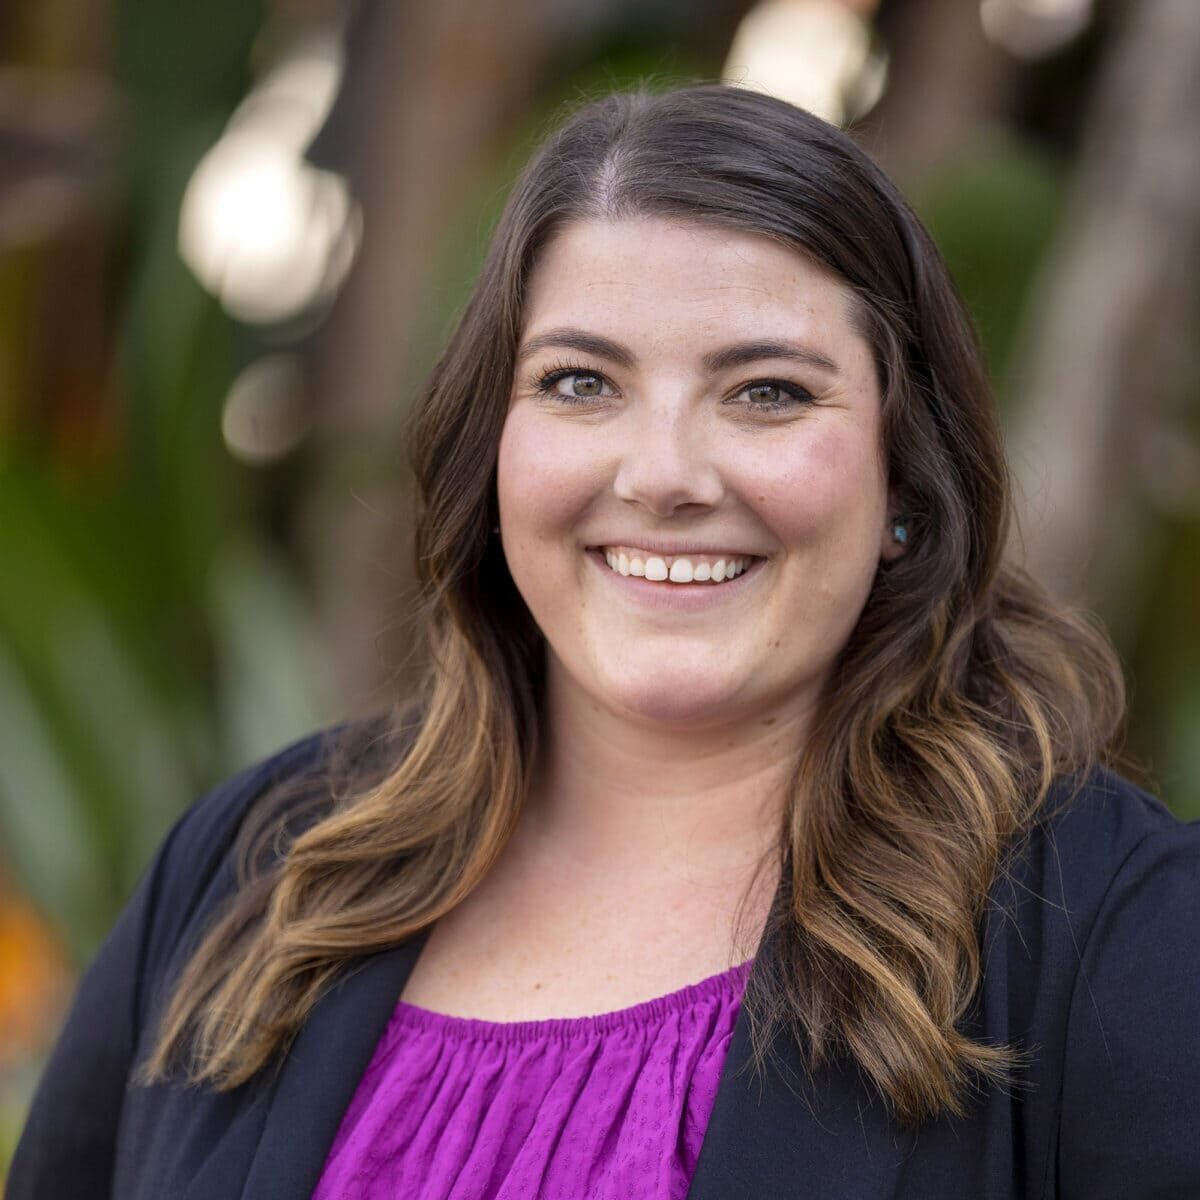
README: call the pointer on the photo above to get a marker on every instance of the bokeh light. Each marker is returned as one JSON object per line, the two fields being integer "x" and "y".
{"x": 818, "y": 54}
{"x": 262, "y": 229}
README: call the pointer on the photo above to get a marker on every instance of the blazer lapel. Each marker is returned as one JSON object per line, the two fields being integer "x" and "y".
{"x": 318, "y": 1079}
{"x": 783, "y": 1133}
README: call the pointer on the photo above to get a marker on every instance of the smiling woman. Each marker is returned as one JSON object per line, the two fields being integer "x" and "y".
{"x": 726, "y": 418}
{"x": 749, "y": 836}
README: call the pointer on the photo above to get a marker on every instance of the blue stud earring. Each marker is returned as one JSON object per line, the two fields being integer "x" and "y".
{"x": 900, "y": 533}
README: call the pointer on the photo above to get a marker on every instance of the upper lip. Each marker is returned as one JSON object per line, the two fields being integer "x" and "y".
{"x": 680, "y": 547}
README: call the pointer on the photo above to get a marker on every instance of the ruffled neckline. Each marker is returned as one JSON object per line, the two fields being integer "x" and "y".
{"x": 728, "y": 985}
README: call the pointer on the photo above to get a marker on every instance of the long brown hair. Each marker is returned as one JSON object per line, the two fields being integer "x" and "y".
{"x": 963, "y": 692}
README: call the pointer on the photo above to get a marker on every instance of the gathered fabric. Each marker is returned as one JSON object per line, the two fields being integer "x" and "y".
{"x": 604, "y": 1107}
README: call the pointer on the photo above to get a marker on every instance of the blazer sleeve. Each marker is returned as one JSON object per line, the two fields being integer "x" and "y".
{"x": 68, "y": 1146}
{"x": 1130, "y": 1113}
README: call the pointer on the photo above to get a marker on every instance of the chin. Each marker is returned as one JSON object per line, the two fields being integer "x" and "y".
{"x": 680, "y": 702}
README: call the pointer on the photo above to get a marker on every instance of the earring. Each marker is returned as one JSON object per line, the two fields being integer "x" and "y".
{"x": 495, "y": 528}
{"x": 900, "y": 531}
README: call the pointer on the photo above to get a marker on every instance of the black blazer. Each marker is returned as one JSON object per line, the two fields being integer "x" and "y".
{"x": 1090, "y": 945}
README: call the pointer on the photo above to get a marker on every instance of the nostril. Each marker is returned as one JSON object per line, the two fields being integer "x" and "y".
{"x": 666, "y": 484}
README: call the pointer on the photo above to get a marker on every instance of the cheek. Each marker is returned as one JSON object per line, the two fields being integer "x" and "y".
{"x": 545, "y": 479}
{"x": 827, "y": 486}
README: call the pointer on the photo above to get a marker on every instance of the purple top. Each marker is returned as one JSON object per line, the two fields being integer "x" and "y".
{"x": 603, "y": 1107}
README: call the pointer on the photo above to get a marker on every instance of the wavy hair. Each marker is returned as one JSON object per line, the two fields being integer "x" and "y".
{"x": 964, "y": 691}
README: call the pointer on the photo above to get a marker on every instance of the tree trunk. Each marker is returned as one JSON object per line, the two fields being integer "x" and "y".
{"x": 1107, "y": 340}
{"x": 440, "y": 85}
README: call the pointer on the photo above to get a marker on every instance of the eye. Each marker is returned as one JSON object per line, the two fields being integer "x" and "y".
{"x": 772, "y": 395}
{"x": 574, "y": 385}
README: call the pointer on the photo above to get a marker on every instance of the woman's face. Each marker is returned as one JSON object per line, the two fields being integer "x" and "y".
{"x": 694, "y": 403}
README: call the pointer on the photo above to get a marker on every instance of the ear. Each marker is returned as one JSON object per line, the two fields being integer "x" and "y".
{"x": 897, "y": 530}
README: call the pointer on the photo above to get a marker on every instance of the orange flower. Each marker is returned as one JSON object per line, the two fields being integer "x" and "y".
{"x": 35, "y": 980}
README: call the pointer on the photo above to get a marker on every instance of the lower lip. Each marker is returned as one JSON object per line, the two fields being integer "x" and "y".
{"x": 675, "y": 597}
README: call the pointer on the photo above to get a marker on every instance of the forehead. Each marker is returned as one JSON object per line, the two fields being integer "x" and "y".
{"x": 664, "y": 276}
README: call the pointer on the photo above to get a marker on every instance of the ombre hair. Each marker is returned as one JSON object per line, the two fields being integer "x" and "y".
{"x": 963, "y": 693}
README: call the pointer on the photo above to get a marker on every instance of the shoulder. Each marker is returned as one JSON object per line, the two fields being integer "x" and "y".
{"x": 1115, "y": 848}
{"x": 194, "y": 868}
{"x": 1102, "y": 811}
{"x": 206, "y": 832}
{"x": 199, "y": 865}
{"x": 212, "y": 821}
{"x": 1127, "y": 876}
{"x": 1092, "y": 966}
{"x": 1095, "y": 838}
{"x": 1104, "y": 887}
{"x": 1130, "y": 1054}
{"x": 1102, "y": 849}
{"x": 314, "y": 766}
{"x": 70, "y": 1138}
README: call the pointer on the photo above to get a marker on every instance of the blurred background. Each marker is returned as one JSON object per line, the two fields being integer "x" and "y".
{"x": 234, "y": 233}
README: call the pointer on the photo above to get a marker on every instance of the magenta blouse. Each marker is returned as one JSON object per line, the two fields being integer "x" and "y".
{"x": 604, "y": 1107}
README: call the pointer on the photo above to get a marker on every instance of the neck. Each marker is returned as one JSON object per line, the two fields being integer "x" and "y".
{"x": 611, "y": 790}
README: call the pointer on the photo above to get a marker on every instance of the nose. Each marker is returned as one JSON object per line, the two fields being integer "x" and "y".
{"x": 666, "y": 463}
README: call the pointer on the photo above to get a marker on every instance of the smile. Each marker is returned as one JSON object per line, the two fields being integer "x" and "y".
{"x": 675, "y": 568}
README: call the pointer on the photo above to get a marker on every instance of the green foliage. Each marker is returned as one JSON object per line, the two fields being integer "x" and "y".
{"x": 993, "y": 212}
{"x": 1164, "y": 660}
{"x": 151, "y": 640}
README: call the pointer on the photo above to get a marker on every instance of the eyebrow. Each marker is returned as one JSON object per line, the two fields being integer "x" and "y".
{"x": 739, "y": 354}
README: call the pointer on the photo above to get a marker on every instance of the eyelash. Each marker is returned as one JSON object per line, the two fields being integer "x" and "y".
{"x": 545, "y": 384}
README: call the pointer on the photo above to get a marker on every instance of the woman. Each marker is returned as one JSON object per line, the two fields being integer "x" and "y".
{"x": 726, "y": 667}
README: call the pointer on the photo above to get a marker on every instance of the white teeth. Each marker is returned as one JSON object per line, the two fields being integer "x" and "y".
{"x": 681, "y": 570}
